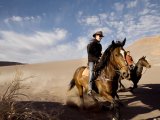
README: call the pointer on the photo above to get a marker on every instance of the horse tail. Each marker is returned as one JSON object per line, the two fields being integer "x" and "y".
{"x": 74, "y": 79}
{"x": 72, "y": 84}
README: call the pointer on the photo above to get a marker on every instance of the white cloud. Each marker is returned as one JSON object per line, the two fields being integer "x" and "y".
{"x": 31, "y": 48}
{"x": 149, "y": 23}
{"x": 16, "y": 18}
{"x": 145, "y": 25}
{"x": 134, "y": 23}
{"x": 94, "y": 20}
{"x": 70, "y": 50}
{"x": 132, "y": 4}
{"x": 19, "y": 19}
{"x": 103, "y": 16}
{"x": 82, "y": 43}
{"x": 112, "y": 16}
{"x": 80, "y": 13}
{"x": 144, "y": 12}
{"x": 128, "y": 17}
{"x": 106, "y": 30}
{"x": 41, "y": 46}
{"x": 119, "y": 6}
{"x": 90, "y": 20}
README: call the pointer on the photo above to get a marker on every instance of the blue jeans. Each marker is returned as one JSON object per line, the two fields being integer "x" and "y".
{"x": 91, "y": 65}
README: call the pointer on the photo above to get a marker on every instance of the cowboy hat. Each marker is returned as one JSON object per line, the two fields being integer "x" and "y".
{"x": 98, "y": 33}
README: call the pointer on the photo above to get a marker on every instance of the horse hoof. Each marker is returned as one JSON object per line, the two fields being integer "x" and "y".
{"x": 116, "y": 114}
{"x": 104, "y": 108}
{"x": 82, "y": 107}
{"x": 120, "y": 104}
{"x": 131, "y": 89}
{"x": 115, "y": 119}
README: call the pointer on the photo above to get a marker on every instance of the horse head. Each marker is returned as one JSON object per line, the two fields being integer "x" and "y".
{"x": 118, "y": 58}
{"x": 144, "y": 62}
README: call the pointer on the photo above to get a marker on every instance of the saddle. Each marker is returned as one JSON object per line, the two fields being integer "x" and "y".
{"x": 95, "y": 76}
{"x": 86, "y": 73}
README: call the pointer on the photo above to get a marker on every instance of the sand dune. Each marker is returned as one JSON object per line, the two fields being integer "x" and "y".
{"x": 149, "y": 46}
{"x": 50, "y": 82}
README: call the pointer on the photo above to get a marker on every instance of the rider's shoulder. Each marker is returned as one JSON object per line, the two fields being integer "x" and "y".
{"x": 92, "y": 42}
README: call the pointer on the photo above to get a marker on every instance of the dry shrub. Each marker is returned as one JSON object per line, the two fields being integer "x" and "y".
{"x": 13, "y": 92}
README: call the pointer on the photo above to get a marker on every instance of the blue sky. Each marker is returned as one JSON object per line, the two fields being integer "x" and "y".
{"x": 34, "y": 31}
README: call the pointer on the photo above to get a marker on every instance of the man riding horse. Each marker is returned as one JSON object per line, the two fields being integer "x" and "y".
{"x": 112, "y": 66}
{"x": 94, "y": 49}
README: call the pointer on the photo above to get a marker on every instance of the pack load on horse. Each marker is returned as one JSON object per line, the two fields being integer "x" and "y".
{"x": 111, "y": 67}
{"x": 136, "y": 72}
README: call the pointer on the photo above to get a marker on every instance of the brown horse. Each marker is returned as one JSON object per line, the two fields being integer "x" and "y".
{"x": 112, "y": 66}
{"x": 136, "y": 73}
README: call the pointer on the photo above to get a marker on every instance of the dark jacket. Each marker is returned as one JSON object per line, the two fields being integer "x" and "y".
{"x": 94, "y": 49}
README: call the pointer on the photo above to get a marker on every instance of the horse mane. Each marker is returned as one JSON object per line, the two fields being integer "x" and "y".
{"x": 105, "y": 59}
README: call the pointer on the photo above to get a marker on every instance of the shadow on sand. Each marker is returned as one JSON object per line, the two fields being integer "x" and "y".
{"x": 58, "y": 111}
{"x": 147, "y": 94}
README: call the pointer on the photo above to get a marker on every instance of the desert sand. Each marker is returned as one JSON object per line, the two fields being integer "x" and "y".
{"x": 48, "y": 83}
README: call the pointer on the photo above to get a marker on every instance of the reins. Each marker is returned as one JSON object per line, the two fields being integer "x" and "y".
{"x": 144, "y": 71}
{"x": 118, "y": 71}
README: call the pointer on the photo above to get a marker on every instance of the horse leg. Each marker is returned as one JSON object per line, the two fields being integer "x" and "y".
{"x": 86, "y": 89}
{"x": 131, "y": 89}
{"x": 121, "y": 87}
{"x": 134, "y": 85}
{"x": 92, "y": 96}
{"x": 114, "y": 105}
{"x": 80, "y": 90}
{"x": 118, "y": 100}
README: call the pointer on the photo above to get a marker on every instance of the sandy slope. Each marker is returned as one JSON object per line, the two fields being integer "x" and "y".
{"x": 50, "y": 82}
{"x": 47, "y": 77}
{"x": 149, "y": 46}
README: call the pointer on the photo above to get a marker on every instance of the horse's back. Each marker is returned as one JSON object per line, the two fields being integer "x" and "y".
{"x": 81, "y": 68}
{"x": 79, "y": 71}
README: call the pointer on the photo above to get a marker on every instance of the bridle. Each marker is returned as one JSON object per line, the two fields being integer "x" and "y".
{"x": 120, "y": 67}
{"x": 144, "y": 71}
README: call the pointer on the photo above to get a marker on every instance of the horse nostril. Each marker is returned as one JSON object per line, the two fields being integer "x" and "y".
{"x": 125, "y": 74}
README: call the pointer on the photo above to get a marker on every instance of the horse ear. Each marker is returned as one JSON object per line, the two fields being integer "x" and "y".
{"x": 124, "y": 41}
{"x": 113, "y": 43}
{"x": 144, "y": 57}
